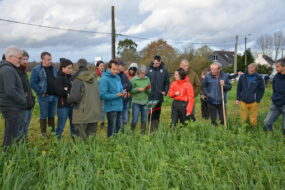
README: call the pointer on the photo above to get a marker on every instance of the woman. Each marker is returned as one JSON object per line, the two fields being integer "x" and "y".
{"x": 182, "y": 93}
{"x": 140, "y": 90}
{"x": 62, "y": 88}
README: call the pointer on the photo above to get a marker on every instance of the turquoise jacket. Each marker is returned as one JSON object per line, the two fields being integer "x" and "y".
{"x": 110, "y": 86}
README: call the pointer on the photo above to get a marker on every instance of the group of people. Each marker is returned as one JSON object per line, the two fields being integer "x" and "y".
{"x": 87, "y": 96}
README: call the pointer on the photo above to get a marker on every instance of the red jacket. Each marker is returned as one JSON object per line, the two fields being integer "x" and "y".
{"x": 98, "y": 72}
{"x": 186, "y": 93}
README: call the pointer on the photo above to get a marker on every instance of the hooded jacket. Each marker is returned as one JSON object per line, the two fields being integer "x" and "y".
{"x": 186, "y": 93}
{"x": 159, "y": 79}
{"x": 278, "y": 96}
{"x": 84, "y": 95}
{"x": 110, "y": 86}
{"x": 12, "y": 96}
{"x": 250, "y": 91}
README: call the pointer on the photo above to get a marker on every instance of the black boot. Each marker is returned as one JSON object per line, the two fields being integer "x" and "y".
{"x": 133, "y": 127}
{"x": 43, "y": 126}
{"x": 143, "y": 128}
{"x": 51, "y": 123}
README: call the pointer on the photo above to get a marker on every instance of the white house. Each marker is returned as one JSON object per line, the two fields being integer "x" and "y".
{"x": 264, "y": 60}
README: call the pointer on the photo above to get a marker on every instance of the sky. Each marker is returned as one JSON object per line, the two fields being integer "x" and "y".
{"x": 179, "y": 22}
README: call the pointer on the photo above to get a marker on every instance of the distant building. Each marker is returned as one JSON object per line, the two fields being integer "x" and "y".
{"x": 226, "y": 58}
{"x": 264, "y": 60}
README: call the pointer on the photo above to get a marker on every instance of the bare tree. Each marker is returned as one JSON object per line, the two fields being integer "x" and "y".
{"x": 265, "y": 44}
{"x": 279, "y": 42}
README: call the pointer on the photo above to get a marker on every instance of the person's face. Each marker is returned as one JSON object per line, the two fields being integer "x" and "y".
{"x": 215, "y": 70}
{"x": 67, "y": 70}
{"x": 132, "y": 72}
{"x": 46, "y": 60}
{"x": 177, "y": 76}
{"x": 279, "y": 68}
{"x": 114, "y": 69}
{"x": 101, "y": 67}
{"x": 15, "y": 59}
{"x": 251, "y": 70}
{"x": 156, "y": 63}
{"x": 24, "y": 61}
{"x": 141, "y": 74}
{"x": 184, "y": 65}
{"x": 121, "y": 68}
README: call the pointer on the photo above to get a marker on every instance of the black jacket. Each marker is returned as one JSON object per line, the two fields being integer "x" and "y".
{"x": 127, "y": 85}
{"x": 159, "y": 79}
{"x": 250, "y": 92}
{"x": 278, "y": 97}
{"x": 62, "y": 88}
{"x": 12, "y": 96}
{"x": 27, "y": 89}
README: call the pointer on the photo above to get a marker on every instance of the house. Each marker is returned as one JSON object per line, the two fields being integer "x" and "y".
{"x": 264, "y": 60}
{"x": 226, "y": 58}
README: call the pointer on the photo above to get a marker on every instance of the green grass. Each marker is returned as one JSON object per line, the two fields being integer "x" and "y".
{"x": 198, "y": 156}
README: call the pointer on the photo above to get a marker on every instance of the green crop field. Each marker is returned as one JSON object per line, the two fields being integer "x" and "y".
{"x": 198, "y": 156}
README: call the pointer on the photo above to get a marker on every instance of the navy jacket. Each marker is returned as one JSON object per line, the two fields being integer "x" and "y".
{"x": 212, "y": 88}
{"x": 250, "y": 92}
{"x": 278, "y": 97}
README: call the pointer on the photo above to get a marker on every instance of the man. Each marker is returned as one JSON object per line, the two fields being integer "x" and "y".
{"x": 42, "y": 82}
{"x": 28, "y": 93}
{"x": 12, "y": 96}
{"x": 111, "y": 91}
{"x": 159, "y": 80}
{"x": 193, "y": 78}
{"x": 278, "y": 98}
{"x": 250, "y": 91}
{"x": 212, "y": 84}
{"x": 127, "y": 86}
{"x": 84, "y": 96}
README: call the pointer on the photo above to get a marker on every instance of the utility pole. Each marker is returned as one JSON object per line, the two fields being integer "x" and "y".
{"x": 235, "y": 60}
{"x": 245, "y": 53}
{"x": 113, "y": 34}
{"x": 282, "y": 54}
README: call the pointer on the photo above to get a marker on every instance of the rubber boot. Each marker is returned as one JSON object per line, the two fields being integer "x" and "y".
{"x": 51, "y": 123}
{"x": 143, "y": 128}
{"x": 43, "y": 126}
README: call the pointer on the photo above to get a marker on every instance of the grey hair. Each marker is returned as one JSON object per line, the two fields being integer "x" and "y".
{"x": 13, "y": 51}
{"x": 142, "y": 69}
{"x": 218, "y": 64}
{"x": 252, "y": 65}
{"x": 184, "y": 60}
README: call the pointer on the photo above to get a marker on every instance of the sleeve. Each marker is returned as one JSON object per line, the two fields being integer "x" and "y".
{"x": 233, "y": 76}
{"x": 228, "y": 85}
{"x": 191, "y": 100}
{"x": 104, "y": 94}
{"x": 197, "y": 85}
{"x": 166, "y": 82}
{"x": 128, "y": 86}
{"x": 34, "y": 82}
{"x": 76, "y": 92}
{"x": 171, "y": 92}
{"x": 261, "y": 90}
{"x": 59, "y": 87}
{"x": 239, "y": 88}
{"x": 205, "y": 86}
{"x": 134, "y": 87}
{"x": 11, "y": 91}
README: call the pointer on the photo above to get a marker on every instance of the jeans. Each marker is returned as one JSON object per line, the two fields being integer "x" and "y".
{"x": 13, "y": 124}
{"x": 125, "y": 112}
{"x": 63, "y": 114}
{"x": 136, "y": 110}
{"x": 27, "y": 115}
{"x": 114, "y": 122}
{"x": 47, "y": 106}
{"x": 273, "y": 115}
{"x": 214, "y": 111}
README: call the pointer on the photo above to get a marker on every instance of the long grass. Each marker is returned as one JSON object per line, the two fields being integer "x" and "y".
{"x": 197, "y": 156}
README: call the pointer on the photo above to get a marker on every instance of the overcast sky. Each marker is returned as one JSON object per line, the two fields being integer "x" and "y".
{"x": 215, "y": 22}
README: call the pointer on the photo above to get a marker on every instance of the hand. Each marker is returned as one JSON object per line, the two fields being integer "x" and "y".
{"x": 141, "y": 89}
{"x": 187, "y": 114}
{"x": 237, "y": 102}
{"x": 203, "y": 97}
{"x": 222, "y": 82}
{"x": 177, "y": 93}
{"x": 65, "y": 88}
{"x": 120, "y": 94}
{"x": 240, "y": 73}
{"x": 163, "y": 93}
{"x": 43, "y": 95}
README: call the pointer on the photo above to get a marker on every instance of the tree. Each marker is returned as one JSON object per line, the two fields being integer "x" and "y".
{"x": 127, "y": 51}
{"x": 279, "y": 41}
{"x": 265, "y": 44}
{"x": 264, "y": 69}
{"x": 204, "y": 51}
{"x": 162, "y": 48}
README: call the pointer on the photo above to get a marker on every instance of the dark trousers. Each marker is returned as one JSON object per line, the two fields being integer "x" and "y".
{"x": 204, "y": 109}
{"x": 115, "y": 122}
{"x": 156, "y": 111}
{"x": 13, "y": 126}
{"x": 85, "y": 130}
{"x": 216, "y": 110}
{"x": 178, "y": 111}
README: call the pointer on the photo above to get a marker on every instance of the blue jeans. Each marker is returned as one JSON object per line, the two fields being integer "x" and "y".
{"x": 47, "y": 106}
{"x": 63, "y": 114}
{"x": 137, "y": 110}
{"x": 27, "y": 115}
{"x": 125, "y": 112}
{"x": 273, "y": 115}
{"x": 114, "y": 122}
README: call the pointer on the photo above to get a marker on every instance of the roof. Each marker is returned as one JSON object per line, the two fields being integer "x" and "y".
{"x": 268, "y": 59}
{"x": 228, "y": 56}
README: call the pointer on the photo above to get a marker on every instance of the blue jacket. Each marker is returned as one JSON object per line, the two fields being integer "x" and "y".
{"x": 212, "y": 88}
{"x": 250, "y": 92}
{"x": 278, "y": 97}
{"x": 39, "y": 79}
{"x": 110, "y": 86}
